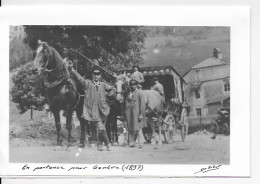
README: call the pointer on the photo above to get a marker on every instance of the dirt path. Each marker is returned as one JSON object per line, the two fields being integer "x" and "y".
{"x": 197, "y": 149}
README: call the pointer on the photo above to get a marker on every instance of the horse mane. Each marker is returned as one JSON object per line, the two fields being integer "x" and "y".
{"x": 60, "y": 64}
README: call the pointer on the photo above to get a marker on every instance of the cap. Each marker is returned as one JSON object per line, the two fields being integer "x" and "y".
{"x": 135, "y": 66}
{"x": 95, "y": 68}
{"x": 133, "y": 82}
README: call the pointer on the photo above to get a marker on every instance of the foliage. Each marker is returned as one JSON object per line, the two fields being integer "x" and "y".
{"x": 28, "y": 89}
{"x": 19, "y": 53}
{"x": 114, "y": 47}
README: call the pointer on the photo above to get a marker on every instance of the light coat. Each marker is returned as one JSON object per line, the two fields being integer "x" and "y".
{"x": 95, "y": 104}
{"x": 135, "y": 108}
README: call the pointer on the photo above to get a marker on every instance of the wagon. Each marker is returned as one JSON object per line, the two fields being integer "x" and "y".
{"x": 174, "y": 87}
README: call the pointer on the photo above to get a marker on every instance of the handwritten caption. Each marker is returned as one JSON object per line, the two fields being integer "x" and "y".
{"x": 124, "y": 168}
{"x": 208, "y": 169}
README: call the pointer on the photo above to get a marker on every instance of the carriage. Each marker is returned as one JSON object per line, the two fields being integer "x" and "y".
{"x": 174, "y": 86}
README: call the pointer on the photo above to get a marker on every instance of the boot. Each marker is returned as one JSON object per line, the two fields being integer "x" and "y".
{"x": 99, "y": 143}
{"x": 105, "y": 139}
{"x": 131, "y": 139}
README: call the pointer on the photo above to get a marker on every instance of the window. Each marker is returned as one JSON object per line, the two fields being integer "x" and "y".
{"x": 50, "y": 114}
{"x": 197, "y": 93}
{"x": 226, "y": 85}
{"x": 198, "y": 75}
{"x": 198, "y": 111}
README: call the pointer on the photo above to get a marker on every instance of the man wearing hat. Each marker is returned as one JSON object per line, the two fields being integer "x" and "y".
{"x": 95, "y": 108}
{"x": 137, "y": 76}
{"x": 135, "y": 114}
{"x": 157, "y": 86}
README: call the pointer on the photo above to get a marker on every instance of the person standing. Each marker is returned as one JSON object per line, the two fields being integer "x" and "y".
{"x": 137, "y": 76}
{"x": 135, "y": 114}
{"x": 95, "y": 108}
{"x": 157, "y": 86}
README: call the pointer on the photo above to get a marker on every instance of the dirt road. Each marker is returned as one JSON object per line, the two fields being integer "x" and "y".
{"x": 198, "y": 148}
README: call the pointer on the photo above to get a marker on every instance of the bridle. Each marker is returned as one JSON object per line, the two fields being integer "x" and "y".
{"x": 122, "y": 91}
{"x": 44, "y": 69}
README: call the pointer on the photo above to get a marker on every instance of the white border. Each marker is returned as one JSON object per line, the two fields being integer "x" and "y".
{"x": 235, "y": 17}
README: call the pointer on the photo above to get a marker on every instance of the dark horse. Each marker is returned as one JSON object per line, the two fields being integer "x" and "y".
{"x": 61, "y": 89}
{"x": 116, "y": 109}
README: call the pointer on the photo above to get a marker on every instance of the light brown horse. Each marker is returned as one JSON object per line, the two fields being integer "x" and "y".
{"x": 153, "y": 102}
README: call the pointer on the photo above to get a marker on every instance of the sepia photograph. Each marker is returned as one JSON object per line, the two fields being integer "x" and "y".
{"x": 119, "y": 94}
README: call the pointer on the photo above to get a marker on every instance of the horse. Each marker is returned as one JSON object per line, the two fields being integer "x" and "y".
{"x": 153, "y": 101}
{"x": 62, "y": 91}
{"x": 111, "y": 122}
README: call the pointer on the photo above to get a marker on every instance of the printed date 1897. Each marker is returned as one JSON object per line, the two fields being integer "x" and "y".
{"x": 132, "y": 168}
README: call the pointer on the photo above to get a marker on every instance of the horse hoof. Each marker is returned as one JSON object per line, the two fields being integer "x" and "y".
{"x": 108, "y": 147}
{"x": 115, "y": 144}
{"x": 160, "y": 143}
{"x": 153, "y": 141}
{"x": 100, "y": 148}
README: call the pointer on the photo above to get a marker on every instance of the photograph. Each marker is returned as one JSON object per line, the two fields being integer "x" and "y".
{"x": 120, "y": 94}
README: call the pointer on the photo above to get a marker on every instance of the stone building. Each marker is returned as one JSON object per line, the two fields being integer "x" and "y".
{"x": 208, "y": 85}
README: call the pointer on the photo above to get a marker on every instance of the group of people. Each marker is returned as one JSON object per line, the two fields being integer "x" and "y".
{"x": 96, "y": 108}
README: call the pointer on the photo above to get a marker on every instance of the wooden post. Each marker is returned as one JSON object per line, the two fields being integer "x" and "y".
{"x": 31, "y": 113}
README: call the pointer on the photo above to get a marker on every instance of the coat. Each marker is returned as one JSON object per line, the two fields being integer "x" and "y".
{"x": 95, "y": 104}
{"x": 135, "y": 107}
{"x": 138, "y": 76}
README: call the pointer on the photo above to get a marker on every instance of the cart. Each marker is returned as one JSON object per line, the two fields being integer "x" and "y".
{"x": 174, "y": 87}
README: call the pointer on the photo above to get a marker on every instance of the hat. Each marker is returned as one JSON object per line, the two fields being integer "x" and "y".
{"x": 135, "y": 66}
{"x": 95, "y": 68}
{"x": 133, "y": 82}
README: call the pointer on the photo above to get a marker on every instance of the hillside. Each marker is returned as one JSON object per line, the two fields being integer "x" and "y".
{"x": 184, "y": 47}
{"x": 181, "y": 47}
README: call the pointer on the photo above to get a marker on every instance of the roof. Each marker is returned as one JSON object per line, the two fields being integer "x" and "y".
{"x": 159, "y": 70}
{"x": 212, "y": 61}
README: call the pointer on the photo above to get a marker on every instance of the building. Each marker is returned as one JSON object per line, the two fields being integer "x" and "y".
{"x": 208, "y": 85}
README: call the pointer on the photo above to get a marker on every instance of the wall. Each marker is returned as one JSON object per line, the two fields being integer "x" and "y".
{"x": 211, "y": 88}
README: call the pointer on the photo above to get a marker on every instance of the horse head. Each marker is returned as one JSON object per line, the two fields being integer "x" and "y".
{"x": 43, "y": 57}
{"x": 121, "y": 87}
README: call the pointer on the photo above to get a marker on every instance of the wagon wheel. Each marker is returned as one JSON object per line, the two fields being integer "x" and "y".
{"x": 225, "y": 129}
{"x": 184, "y": 131}
{"x": 147, "y": 132}
{"x": 169, "y": 128}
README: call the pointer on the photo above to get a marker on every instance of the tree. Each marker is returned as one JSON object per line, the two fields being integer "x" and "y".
{"x": 19, "y": 52}
{"x": 114, "y": 47}
{"x": 28, "y": 90}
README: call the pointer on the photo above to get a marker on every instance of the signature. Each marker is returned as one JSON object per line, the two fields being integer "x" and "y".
{"x": 207, "y": 169}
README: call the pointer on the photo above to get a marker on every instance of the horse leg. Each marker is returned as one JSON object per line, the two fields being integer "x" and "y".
{"x": 69, "y": 126}
{"x": 114, "y": 129}
{"x": 108, "y": 127}
{"x": 150, "y": 121}
{"x": 56, "y": 115}
{"x": 160, "y": 130}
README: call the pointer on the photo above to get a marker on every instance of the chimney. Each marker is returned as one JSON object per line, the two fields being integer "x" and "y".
{"x": 217, "y": 53}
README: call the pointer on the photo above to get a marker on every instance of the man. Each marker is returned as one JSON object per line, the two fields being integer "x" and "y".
{"x": 137, "y": 76}
{"x": 135, "y": 114}
{"x": 95, "y": 108}
{"x": 157, "y": 86}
